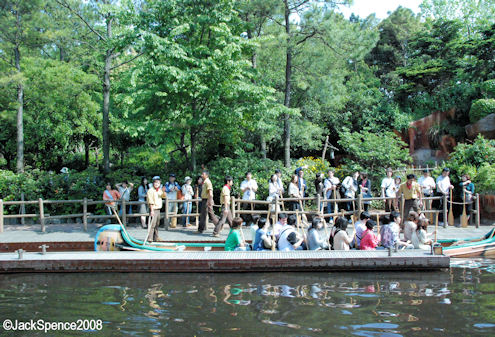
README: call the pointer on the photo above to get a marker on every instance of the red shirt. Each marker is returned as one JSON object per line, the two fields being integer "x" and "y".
{"x": 369, "y": 240}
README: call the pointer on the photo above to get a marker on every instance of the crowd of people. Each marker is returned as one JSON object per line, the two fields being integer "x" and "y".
{"x": 287, "y": 234}
{"x": 327, "y": 186}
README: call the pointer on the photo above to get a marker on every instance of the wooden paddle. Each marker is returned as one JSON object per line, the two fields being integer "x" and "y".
{"x": 464, "y": 218}
{"x": 378, "y": 223}
{"x": 298, "y": 227}
{"x": 436, "y": 225}
{"x": 451, "y": 213}
{"x": 303, "y": 216}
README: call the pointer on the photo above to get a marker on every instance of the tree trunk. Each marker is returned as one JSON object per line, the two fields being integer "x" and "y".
{"x": 106, "y": 100}
{"x": 86, "y": 154}
{"x": 288, "y": 72}
{"x": 20, "y": 114}
{"x": 263, "y": 147}
{"x": 193, "y": 150}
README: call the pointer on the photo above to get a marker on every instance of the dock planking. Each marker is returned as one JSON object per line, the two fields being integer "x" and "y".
{"x": 220, "y": 261}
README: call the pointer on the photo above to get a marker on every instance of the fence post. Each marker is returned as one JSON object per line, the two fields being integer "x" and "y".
{"x": 23, "y": 209}
{"x": 445, "y": 211}
{"x": 478, "y": 210}
{"x": 85, "y": 214}
{"x": 42, "y": 214}
{"x": 1, "y": 215}
{"x": 232, "y": 206}
{"x": 124, "y": 212}
{"x": 166, "y": 214}
{"x": 359, "y": 202}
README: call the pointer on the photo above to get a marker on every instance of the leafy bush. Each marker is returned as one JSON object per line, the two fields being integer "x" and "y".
{"x": 485, "y": 179}
{"x": 480, "y": 109}
{"x": 488, "y": 89}
{"x": 373, "y": 153}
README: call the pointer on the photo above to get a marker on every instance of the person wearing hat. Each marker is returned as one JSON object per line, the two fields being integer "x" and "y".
{"x": 412, "y": 195}
{"x": 388, "y": 190}
{"x": 443, "y": 189}
{"x": 171, "y": 188}
{"x": 187, "y": 193}
{"x": 225, "y": 202}
{"x": 206, "y": 202}
{"x": 154, "y": 196}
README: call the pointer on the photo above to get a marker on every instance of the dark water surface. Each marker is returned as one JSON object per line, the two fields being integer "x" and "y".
{"x": 459, "y": 302}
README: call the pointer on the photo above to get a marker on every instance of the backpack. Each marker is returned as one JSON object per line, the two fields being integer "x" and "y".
{"x": 342, "y": 190}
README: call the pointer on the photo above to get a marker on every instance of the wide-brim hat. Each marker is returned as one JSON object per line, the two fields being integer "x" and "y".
{"x": 156, "y": 178}
{"x": 187, "y": 178}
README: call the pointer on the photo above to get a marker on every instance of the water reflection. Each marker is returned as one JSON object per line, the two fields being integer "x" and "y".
{"x": 459, "y": 302}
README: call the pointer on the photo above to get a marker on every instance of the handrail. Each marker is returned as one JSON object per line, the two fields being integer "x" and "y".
{"x": 235, "y": 207}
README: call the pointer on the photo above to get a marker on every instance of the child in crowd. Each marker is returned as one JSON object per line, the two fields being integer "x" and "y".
{"x": 420, "y": 236}
{"x": 315, "y": 242}
{"x": 410, "y": 225}
{"x": 234, "y": 240}
{"x": 369, "y": 241}
{"x": 359, "y": 228}
{"x": 262, "y": 241}
{"x": 341, "y": 241}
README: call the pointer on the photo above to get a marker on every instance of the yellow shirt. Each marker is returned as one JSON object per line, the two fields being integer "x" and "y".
{"x": 207, "y": 187}
{"x": 413, "y": 193}
{"x": 154, "y": 198}
{"x": 225, "y": 194}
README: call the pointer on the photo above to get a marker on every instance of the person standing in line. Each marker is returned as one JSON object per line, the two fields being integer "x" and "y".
{"x": 274, "y": 192}
{"x": 206, "y": 203}
{"x": 428, "y": 186}
{"x": 125, "y": 190}
{"x": 301, "y": 182}
{"x": 351, "y": 186}
{"x": 171, "y": 188}
{"x": 225, "y": 203}
{"x": 294, "y": 192}
{"x": 249, "y": 187}
{"x": 443, "y": 189}
{"x": 467, "y": 193}
{"x": 155, "y": 197}
{"x": 330, "y": 188}
{"x": 388, "y": 190}
{"x": 187, "y": 194}
{"x": 198, "y": 188}
{"x": 112, "y": 196}
{"x": 279, "y": 182}
{"x": 412, "y": 195}
{"x": 143, "y": 207}
{"x": 365, "y": 190}
{"x": 320, "y": 188}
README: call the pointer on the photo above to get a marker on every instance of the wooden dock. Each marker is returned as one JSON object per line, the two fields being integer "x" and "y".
{"x": 406, "y": 260}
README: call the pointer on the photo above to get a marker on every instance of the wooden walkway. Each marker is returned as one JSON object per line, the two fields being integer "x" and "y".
{"x": 380, "y": 260}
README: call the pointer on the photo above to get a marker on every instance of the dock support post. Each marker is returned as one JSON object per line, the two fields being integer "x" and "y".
{"x": 1, "y": 215}
{"x": 445, "y": 211}
{"x": 85, "y": 214}
{"x": 478, "y": 210}
{"x": 42, "y": 214}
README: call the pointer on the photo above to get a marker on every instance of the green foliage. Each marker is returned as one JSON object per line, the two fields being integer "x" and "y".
{"x": 481, "y": 108}
{"x": 488, "y": 89}
{"x": 373, "y": 153}
{"x": 485, "y": 178}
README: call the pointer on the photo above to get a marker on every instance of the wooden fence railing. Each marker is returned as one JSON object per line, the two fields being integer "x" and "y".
{"x": 267, "y": 207}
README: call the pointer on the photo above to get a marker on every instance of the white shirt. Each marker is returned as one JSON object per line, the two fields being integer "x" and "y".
{"x": 351, "y": 186}
{"x": 359, "y": 227}
{"x": 280, "y": 184}
{"x": 341, "y": 241}
{"x": 389, "y": 185}
{"x": 283, "y": 243}
{"x": 187, "y": 191}
{"x": 125, "y": 192}
{"x": 409, "y": 229}
{"x": 330, "y": 182}
{"x": 274, "y": 189}
{"x": 427, "y": 183}
{"x": 249, "y": 194}
{"x": 294, "y": 191}
{"x": 443, "y": 184}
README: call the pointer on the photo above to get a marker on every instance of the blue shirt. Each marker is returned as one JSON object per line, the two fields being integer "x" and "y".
{"x": 258, "y": 243}
{"x": 169, "y": 186}
{"x": 469, "y": 187}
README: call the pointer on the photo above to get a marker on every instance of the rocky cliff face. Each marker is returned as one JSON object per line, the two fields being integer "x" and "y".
{"x": 485, "y": 126}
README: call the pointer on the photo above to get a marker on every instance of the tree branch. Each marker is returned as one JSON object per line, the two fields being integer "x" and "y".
{"x": 125, "y": 62}
{"x": 7, "y": 61}
{"x": 66, "y": 5}
{"x": 313, "y": 33}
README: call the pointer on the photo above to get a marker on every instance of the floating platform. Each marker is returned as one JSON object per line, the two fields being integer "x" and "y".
{"x": 221, "y": 261}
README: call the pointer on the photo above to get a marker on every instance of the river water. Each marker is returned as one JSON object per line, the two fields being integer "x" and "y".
{"x": 459, "y": 302}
